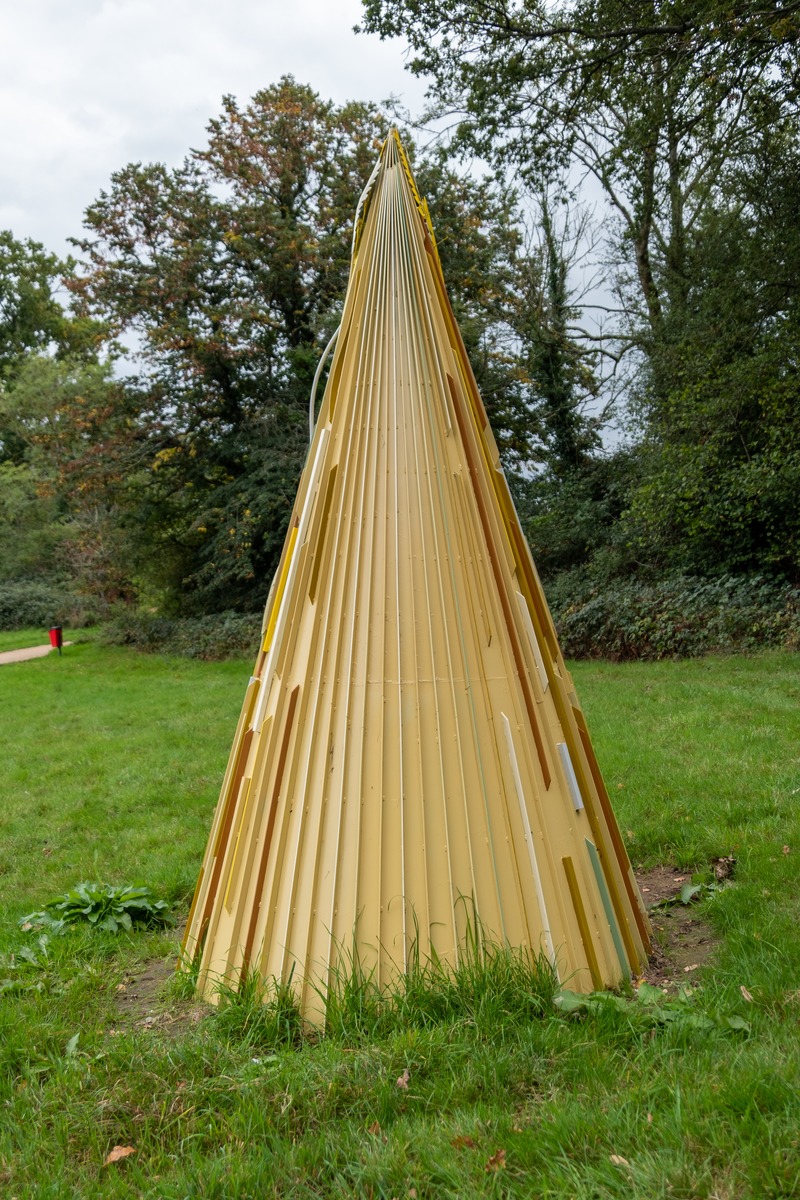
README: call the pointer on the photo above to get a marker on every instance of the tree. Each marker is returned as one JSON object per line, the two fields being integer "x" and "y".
{"x": 722, "y": 447}
{"x": 80, "y": 439}
{"x": 480, "y": 240}
{"x": 651, "y": 100}
{"x": 670, "y": 108}
{"x": 231, "y": 271}
{"x": 42, "y": 340}
{"x": 31, "y": 318}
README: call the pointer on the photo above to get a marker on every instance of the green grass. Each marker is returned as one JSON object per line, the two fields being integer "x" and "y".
{"x": 21, "y": 639}
{"x": 111, "y": 770}
{"x": 111, "y": 765}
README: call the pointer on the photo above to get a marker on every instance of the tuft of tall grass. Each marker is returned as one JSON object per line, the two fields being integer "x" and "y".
{"x": 491, "y": 988}
{"x": 260, "y": 1014}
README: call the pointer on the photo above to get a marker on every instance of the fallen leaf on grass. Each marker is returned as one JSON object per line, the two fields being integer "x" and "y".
{"x": 786, "y": 850}
{"x": 374, "y": 1128}
{"x": 618, "y": 1160}
{"x": 119, "y": 1152}
{"x": 692, "y": 967}
{"x": 463, "y": 1140}
{"x": 497, "y": 1162}
{"x": 402, "y": 1080}
{"x": 747, "y": 995}
{"x": 723, "y": 867}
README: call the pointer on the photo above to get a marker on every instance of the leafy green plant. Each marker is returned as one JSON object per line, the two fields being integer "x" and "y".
{"x": 101, "y": 905}
{"x": 648, "y": 1008}
{"x": 690, "y": 893}
{"x": 26, "y": 969}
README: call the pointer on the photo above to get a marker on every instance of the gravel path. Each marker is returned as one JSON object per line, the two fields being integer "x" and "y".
{"x": 12, "y": 656}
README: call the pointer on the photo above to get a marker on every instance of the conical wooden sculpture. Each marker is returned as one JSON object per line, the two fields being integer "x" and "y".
{"x": 410, "y": 756}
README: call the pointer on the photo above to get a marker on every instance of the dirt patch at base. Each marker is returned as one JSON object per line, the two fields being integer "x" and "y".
{"x": 144, "y": 1001}
{"x": 682, "y": 941}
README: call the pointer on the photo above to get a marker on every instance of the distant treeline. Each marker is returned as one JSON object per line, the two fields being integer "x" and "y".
{"x": 164, "y": 481}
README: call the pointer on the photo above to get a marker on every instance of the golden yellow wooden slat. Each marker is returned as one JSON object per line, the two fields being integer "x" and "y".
{"x": 396, "y": 775}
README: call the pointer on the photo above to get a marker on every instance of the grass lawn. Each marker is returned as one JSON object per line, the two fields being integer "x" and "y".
{"x": 21, "y": 639}
{"x": 111, "y": 766}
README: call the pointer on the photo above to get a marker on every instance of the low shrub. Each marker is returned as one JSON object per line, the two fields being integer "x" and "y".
{"x": 27, "y": 603}
{"x": 213, "y": 637}
{"x": 677, "y": 617}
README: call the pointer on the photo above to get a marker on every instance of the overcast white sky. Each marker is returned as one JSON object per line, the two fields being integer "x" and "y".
{"x": 87, "y": 86}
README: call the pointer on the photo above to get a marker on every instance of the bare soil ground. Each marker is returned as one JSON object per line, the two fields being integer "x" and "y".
{"x": 145, "y": 999}
{"x": 682, "y": 942}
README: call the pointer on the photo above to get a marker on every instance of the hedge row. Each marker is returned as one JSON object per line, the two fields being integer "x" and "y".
{"x": 26, "y": 604}
{"x": 678, "y": 617}
{"x": 216, "y": 636}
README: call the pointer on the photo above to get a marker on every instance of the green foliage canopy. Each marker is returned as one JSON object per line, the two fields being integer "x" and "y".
{"x": 231, "y": 271}
{"x": 686, "y": 116}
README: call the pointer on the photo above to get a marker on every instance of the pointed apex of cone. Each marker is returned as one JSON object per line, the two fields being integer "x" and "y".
{"x": 411, "y": 762}
{"x": 392, "y": 158}
{"x": 394, "y": 142}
